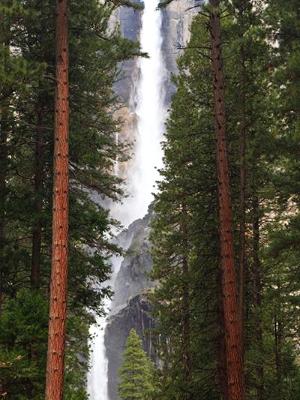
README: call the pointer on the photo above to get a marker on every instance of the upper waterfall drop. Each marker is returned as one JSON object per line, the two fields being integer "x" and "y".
{"x": 150, "y": 108}
{"x": 151, "y": 114}
{"x": 150, "y": 111}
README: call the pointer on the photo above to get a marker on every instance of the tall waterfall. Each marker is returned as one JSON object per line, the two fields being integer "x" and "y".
{"x": 150, "y": 111}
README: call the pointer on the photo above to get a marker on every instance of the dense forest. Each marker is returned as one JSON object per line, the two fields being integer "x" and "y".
{"x": 28, "y": 81}
{"x": 225, "y": 235}
{"x": 257, "y": 102}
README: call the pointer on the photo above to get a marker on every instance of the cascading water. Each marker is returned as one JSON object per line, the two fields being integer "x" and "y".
{"x": 151, "y": 112}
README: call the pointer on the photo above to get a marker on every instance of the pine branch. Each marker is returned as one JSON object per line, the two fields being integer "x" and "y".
{"x": 164, "y": 3}
{"x": 127, "y": 3}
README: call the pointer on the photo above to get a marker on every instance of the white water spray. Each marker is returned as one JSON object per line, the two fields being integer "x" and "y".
{"x": 147, "y": 159}
{"x": 150, "y": 111}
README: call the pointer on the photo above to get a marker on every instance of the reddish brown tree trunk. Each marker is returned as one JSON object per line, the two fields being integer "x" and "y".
{"x": 37, "y": 226}
{"x": 232, "y": 321}
{"x": 58, "y": 287}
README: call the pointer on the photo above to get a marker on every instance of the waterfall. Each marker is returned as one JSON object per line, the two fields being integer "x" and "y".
{"x": 97, "y": 376}
{"x": 151, "y": 112}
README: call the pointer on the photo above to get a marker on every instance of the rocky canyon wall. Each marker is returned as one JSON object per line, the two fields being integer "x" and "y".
{"x": 130, "y": 308}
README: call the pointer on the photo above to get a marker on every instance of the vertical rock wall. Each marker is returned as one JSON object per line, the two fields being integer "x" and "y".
{"x": 130, "y": 308}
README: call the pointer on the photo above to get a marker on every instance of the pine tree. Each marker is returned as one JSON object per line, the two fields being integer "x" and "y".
{"x": 185, "y": 237}
{"x": 27, "y": 84}
{"x": 232, "y": 316}
{"x": 137, "y": 378}
{"x": 263, "y": 198}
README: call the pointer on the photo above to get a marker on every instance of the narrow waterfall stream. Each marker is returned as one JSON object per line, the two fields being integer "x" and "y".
{"x": 150, "y": 111}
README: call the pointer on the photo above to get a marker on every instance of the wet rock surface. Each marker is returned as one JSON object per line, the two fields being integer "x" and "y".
{"x": 130, "y": 307}
{"x": 133, "y": 277}
{"x": 136, "y": 314}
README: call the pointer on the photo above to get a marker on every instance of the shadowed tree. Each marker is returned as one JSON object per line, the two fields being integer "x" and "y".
{"x": 232, "y": 322}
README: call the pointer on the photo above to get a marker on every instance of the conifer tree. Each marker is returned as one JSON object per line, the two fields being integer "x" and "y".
{"x": 27, "y": 77}
{"x": 263, "y": 196}
{"x": 137, "y": 380}
{"x": 232, "y": 316}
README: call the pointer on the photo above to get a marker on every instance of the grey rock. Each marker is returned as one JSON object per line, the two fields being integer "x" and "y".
{"x": 133, "y": 276}
{"x": 137, "y": 315}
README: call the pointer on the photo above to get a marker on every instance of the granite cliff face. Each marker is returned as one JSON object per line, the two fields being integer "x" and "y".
{"x": 133, "y": 277}
{"x": 130, "y": 308}
{"x": 176, "y": 23}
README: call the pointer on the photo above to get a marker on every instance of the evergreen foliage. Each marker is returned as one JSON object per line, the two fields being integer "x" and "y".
{"x": 137, "y": 378}
{"x": 261, "y": 52}
{"x": 27, "y": 83}
{"x": 261, "y": 77}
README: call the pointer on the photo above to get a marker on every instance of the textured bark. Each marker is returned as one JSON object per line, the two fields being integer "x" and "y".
{"x": 38, "y": 184}
{"x": 58, "y": 286}
{"x": 232, "y": 322}
{"x": 257, "y": 280}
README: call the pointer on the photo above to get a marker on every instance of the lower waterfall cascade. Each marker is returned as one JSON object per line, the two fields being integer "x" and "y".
{"x": 151, "y": 112}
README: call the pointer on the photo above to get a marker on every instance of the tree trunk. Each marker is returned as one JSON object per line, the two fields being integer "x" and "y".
{"x": 58, "y": 286}
{"x": 38, "y": 185}
{"x": 229, "y": 281}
